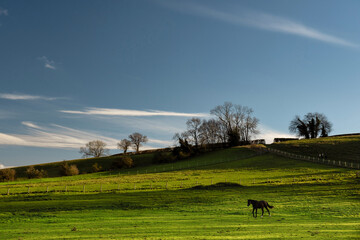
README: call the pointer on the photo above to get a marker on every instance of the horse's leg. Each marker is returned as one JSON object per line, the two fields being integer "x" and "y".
{"x": 256, "y": 211}
{"x": 262, "y": 212}
{"x": 253, "y": 212}
{"x": 268, "y": 211}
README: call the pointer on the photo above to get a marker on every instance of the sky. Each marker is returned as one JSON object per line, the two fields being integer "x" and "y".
{"x": 73, "y": 71}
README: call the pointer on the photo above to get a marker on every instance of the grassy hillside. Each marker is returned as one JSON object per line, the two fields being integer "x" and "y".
{"x": 142, "y": 162}
{"x": 85, "y": 165}
{"x": 205, "y": 199}
{"x": 344, "y": 148}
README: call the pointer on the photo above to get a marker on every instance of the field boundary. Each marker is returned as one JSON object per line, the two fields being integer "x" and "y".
{"x": 321, "y": 160}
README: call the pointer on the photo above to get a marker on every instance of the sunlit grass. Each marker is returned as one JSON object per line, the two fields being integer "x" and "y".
{"x": 207, "y": 200}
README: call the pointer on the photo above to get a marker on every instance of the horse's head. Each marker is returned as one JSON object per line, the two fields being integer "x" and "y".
{"x": 249, "y": 202}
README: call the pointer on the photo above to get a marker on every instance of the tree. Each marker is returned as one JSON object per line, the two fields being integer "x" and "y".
{"x": 137, "y": 139}
{"x": 124, "y": 145}
{"x": 312, "y": 125}
{"x": 193, "y": 126}
{"x": 94, "y": 148}
{"x": 239, "y": 122}
{"x": 210, "y": 132}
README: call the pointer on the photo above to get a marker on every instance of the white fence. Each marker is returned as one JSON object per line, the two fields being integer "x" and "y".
{"x": 326, "y": 161}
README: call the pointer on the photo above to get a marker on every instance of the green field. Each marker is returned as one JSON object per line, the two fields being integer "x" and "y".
{"x": 343, "y": 148}
{"x": 201, "y": 198}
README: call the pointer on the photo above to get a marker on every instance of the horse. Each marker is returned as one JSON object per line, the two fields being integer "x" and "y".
{"x": 259, "y": 204}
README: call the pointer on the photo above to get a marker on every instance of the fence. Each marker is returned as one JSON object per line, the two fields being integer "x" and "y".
{"x": 336, "y": 163}
{"x": 113, "y": 186}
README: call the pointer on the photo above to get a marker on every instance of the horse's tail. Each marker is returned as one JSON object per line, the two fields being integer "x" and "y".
{"x": 269, "y": 206}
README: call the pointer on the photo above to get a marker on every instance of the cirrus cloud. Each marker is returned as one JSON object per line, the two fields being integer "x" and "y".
{"x": 58, "y": 136}
{"x": 132, "y": 113}
{"x": 264, "y": 21}
{"x": 12, "y": 96}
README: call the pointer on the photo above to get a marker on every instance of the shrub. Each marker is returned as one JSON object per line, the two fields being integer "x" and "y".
{"x": 162, "y": 157}
{"x": 68, "y": 170}
{"x": 96, "y": 168}
{"x": 123, "y": 162}
{"x": 32, "y": 172}
{"x": 7, "y": 174}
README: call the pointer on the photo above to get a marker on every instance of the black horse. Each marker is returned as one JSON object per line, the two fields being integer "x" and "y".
{"x": 259, "y": 204}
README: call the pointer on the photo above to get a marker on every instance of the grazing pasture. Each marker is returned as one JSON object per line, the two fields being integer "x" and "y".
{"x": 207, "y": 200}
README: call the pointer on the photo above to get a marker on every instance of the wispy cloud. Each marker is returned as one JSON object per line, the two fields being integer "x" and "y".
{"x": 258, "y": 20}
{"x": 57, "y": 136}
{"x": 48, "y": 63}
{"x": 4, "y": 12}
{"x": 11, "y": 96}
{"x": 31, "y": 125}
{"x": 132, "y": 113}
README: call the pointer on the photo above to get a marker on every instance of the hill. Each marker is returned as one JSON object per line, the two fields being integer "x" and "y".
{"x": 343, "y": 148}
{"x": 204, "y": 197}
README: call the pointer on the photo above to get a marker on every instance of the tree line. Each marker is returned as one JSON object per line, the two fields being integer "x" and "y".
{"x": 233, "y": 124}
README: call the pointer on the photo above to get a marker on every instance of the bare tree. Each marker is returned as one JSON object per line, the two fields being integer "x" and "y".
{"x": 250, "y": 125}
{"x": 224, "y": 113}
{"x": 193, "y": 130}
{"x": 239, "y": 122}
{"x": 210, "y": 132}
{"x": 94, "y": 148}
{"x": 137, "y": 139}
{"x": 124, "y": 145}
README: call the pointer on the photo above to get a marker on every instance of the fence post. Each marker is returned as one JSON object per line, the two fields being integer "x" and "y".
{"x": 134, "y": 186}
{"x": 84, "y": 188}
{"x": 8, "y": 192}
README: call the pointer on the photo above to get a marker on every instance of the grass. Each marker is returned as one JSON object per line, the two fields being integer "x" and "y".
{"x": 343, "y": 148}
{"x": 203, "y": 201}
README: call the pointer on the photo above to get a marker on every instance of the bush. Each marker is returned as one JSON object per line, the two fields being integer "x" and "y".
{"x": 96, "y": 168}
{"x": 68, "y": 170}
{"x": 7, "y": 174}
{"x": 163, "y": 157}
{"x": 32, "y": 172}
{"x": 123, "y": 162}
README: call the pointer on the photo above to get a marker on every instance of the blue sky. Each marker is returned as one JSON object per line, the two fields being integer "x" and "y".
{"x": 76, "y": 71}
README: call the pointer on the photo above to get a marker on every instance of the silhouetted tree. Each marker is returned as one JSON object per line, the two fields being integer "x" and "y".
{"x": 239, "y": 122}
{"x": 193, "y": 130}
{"x": 124, "y": 145}
{"x": 137, "y": 139}
{"x": 94, "y": 148}
{"x": 312, "y": 125}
